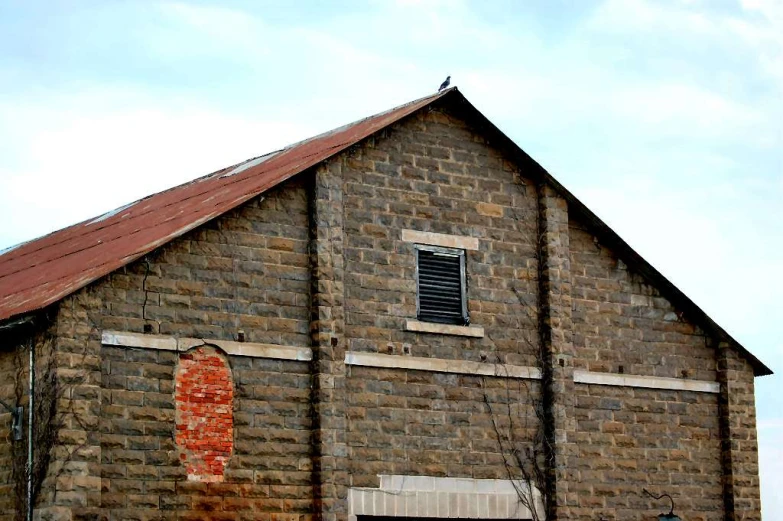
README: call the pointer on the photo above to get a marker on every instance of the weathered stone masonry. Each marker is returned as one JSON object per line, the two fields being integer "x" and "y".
{"x": 557, "y": 359}
{"x": 739, "y": 441}
{"x": 320, "y": 264}
{"x": 8, "y": 380}
{"x": 327, "y": 328}
{"x": 432, "y": 173}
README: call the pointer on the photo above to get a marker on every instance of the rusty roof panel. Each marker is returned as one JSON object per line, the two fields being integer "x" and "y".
{"x": 43, "y": 271}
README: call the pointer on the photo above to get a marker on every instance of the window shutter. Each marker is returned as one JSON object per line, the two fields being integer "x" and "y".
{"x": 441, "y": 285}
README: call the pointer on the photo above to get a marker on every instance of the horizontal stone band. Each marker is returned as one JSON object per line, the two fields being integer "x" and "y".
{"x": 170, "y": 343}
{"x": 439, "y": 365}
{"x": 648, "y": 382}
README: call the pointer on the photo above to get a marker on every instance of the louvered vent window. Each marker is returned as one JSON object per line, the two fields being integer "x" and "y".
{"x": 440, "y": 280}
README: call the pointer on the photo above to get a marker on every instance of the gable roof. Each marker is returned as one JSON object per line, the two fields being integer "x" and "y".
{"x": 40, "y": 272}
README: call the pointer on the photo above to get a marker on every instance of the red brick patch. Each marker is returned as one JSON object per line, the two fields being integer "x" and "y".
{"x": 205, "y": 420}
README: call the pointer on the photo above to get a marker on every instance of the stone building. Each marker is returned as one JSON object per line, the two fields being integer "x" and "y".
{"x": 404, "y": 317}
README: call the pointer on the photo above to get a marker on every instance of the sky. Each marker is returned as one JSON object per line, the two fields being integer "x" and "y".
{"x": 664, "y": 116}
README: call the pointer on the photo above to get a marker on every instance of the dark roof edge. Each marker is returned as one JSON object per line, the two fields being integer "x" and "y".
{"x": 20, "y": 321}
{"x": 22, "y": 325}
{"x": 605, "y": 234}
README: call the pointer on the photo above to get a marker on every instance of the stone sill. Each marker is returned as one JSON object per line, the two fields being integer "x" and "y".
{"x": 444, "y": 329}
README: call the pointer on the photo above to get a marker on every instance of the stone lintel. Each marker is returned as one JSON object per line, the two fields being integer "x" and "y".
{"x": 441, "y": 239}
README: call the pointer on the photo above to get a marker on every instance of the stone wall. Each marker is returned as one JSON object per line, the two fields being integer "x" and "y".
{"x": 739, "y": 438}
{"x": 139, "y": 458}
{"x": 144, "y": 470}
{"x": 630, "y": 439}
{"x": 49, "y": 428}
{"x": 404, "y": 422}
{"x": 247, "y": 270}
{"x": 432, "y": 173}
{"x": 8, "y": 394}
{"x": 327, "y": 330}
{"x": 620, "y": 320}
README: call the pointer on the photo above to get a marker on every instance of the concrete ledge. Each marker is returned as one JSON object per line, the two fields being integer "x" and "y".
{"x": 431, "y": 497}
{"x": 170, "y": 343}
{"x": 439, "y": 365}
{"x": 440, "y": 239}
{"x": 647, "y": 382}
{"x": 444, "y": 329}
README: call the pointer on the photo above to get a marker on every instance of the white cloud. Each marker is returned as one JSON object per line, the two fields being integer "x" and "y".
{"x": 661, "y": 110}
{"x": 634, "y": 15}
{"x": 682, "y": 109}
{"x": 100, "y": 149}
{"x": 768, "y": 38}
{"x": 759, "y": 32}
{"x": 225, "y": 32}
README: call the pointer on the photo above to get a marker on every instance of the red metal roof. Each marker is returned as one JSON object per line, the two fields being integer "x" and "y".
{"x": 40, "y": 272}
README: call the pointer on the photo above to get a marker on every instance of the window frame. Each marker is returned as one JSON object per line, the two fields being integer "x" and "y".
{"x": 452, "y": 252}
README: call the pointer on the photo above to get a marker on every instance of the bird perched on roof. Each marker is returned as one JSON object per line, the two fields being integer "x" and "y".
{"x": 445, "y": 84}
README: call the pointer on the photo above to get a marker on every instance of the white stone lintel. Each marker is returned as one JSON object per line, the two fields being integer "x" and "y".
{"x": 439, "y": 365}
{"x": 647, "y": 382}
{"x": 441, "y": 239}
{"x": 444, "y": 329}
{"x": 171, "y": 343}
